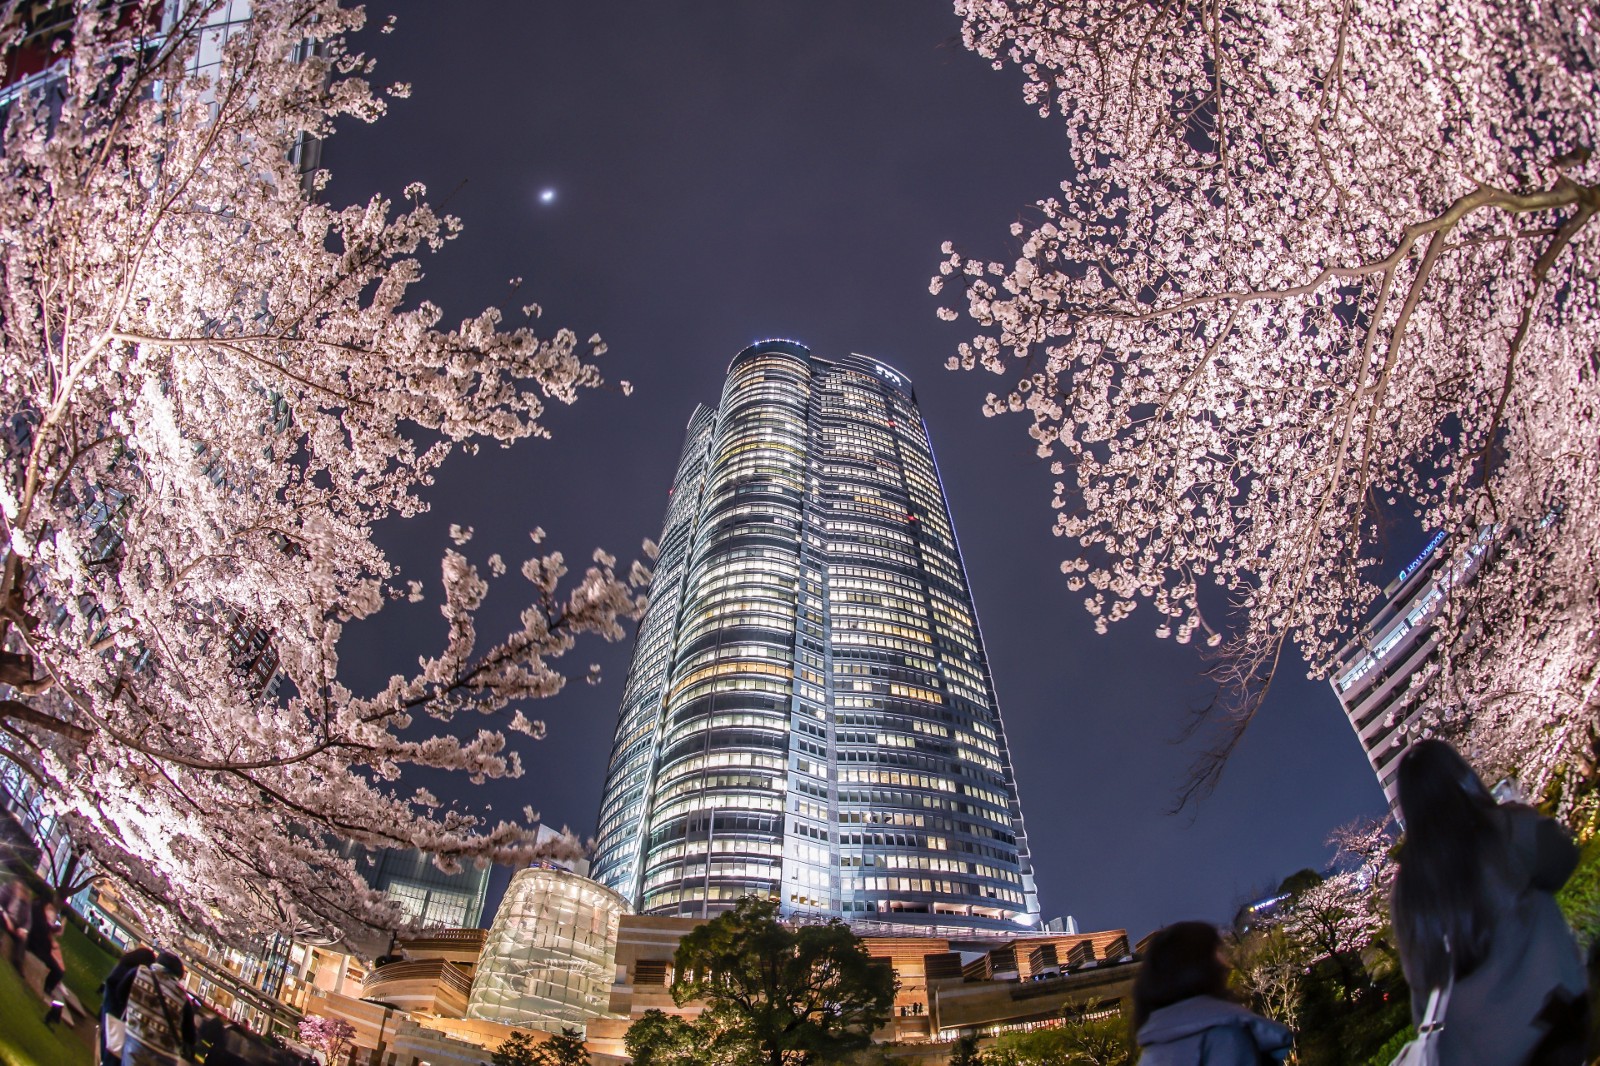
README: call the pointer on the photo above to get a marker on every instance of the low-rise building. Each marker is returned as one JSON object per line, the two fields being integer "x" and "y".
{"x": 547, "y": 962}
{"x": 945, "y": 987}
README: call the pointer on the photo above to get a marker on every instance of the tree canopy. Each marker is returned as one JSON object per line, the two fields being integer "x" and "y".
{"x": 1322, "y": 272}
{"x": 775, "y": 993}
{"x": 331, "y": 1036}
{"x": 662, "y": 1039}
{"x": 1091, "y": 1037}
{"x": 1320, "y": 958}
{"x": 565, "y": 1048}
{"x": 213, "y": 384}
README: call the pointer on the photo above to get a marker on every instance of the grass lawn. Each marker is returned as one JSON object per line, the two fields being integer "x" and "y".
{"x": 87, "y": 965}
{"x": 24, "y": 1038}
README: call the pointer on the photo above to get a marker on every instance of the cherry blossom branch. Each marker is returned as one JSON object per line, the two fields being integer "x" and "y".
{"x": 228, "y": 344}
{"x": 1563, "y": 194}
{"x": 1309, "y": 314}
{"x": 162, "y": 231}
{"x": 1588, "y": 204}
{"x": 21, "y": 712}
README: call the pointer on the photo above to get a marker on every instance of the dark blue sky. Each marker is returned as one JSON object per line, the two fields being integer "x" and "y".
{"x": 729, "y": 172}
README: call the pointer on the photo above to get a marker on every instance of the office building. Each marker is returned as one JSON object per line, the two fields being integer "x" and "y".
{"x": 809, "y": 714}
{"x": 1380, "y": 677}
{"x": 429, "y": 897}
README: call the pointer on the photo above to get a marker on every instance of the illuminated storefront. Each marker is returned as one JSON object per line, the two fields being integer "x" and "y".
{"x": 809, "y": 714}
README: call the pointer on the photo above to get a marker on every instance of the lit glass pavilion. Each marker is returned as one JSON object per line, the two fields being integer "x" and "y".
{"x": 809, "y": 714}
{"x": 547, "y": 961}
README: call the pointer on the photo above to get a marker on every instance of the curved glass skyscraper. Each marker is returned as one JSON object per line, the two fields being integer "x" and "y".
{"x": 809, "y": 714}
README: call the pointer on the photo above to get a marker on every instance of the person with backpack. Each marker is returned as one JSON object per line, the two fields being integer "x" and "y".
{"x": 158, "y": 1016}
{"x": 1183, "y": 1013}
{"x": 114, "y": 1000}
{"x": 1476, "y": 920}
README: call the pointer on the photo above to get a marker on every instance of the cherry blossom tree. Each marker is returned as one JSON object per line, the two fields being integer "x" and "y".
{"x": 213, "y": 385}
{"x": 1335, "y": 923}
{"x": 331, "y": 1036}
{"x": 1271, "y": 969}
{"x": 1321, "y": 269}
{"x": 1338, "y": 916}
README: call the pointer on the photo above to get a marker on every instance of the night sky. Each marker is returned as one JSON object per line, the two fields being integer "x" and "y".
{"x": 728, "y": 172}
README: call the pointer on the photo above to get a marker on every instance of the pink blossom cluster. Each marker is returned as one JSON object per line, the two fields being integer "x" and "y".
{"x": 214, "y": 383}
{"x": 1321, "y": 271}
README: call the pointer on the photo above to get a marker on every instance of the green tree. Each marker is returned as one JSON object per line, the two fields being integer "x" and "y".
{"x": 563, "y": 1049}
{"x": 518, "y": 1049}
{"x": 1095, "y": 1038}
{"x": 662, "y": 1039}
{"x": 1088, "y": 1038}
{"x": 792, "y": 994}
{"x": 871, "y": 1055}
{"x": 965, "y": 1051}
{"x": 1580, "y": 896}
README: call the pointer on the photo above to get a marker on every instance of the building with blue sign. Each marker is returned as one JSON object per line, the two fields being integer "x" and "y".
{"x": 1380, "y": 677}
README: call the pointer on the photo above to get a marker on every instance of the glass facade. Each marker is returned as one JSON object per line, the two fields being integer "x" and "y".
{"x": 430, "y": 898}
{"x": 547, "y": 961}
{"x": 809, "y": 715}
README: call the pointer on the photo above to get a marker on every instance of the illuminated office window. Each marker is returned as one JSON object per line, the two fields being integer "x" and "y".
{"x": 809, "y": 715}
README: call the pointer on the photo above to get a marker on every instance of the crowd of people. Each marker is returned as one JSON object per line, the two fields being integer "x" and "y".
{"x": 147, "y": 1017}
{"x": 32, "y": 922}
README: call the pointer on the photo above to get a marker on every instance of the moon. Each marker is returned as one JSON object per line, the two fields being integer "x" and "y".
{"x": 547, "y": 196}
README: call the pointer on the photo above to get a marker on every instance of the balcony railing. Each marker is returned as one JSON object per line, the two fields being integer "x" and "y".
{"x": 440, "y": 971}
{"x": 467, "y": 939}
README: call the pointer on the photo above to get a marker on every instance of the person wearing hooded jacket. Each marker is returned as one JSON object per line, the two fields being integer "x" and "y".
{"x": 1475, "y": 912}
{"x": 1182, "y": 1011}
{"x": 114, "y": 1002}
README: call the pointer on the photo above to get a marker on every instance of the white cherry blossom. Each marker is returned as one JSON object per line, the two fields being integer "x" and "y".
{"x": 213, "y": 384}
{"x": 1322, "y": 270}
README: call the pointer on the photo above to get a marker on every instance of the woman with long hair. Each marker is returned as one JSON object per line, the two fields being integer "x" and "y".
{"x": 1182, "y": 1011}
{"x": 1475, "y": 918}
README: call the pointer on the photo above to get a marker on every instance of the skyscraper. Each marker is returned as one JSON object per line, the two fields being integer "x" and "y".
{"x": 429, "y": 897}
{"x": 809, "y": 714}
{"x": 1381, "y": 676}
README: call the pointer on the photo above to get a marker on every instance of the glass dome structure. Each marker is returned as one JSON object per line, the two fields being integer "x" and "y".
{"x": 547, "y": 962}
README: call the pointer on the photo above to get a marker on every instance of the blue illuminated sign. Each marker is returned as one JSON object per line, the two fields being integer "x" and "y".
{"x": 1422, "y": 557}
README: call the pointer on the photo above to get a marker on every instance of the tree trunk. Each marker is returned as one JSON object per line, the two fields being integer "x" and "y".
{"x": 22, "y": 712}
